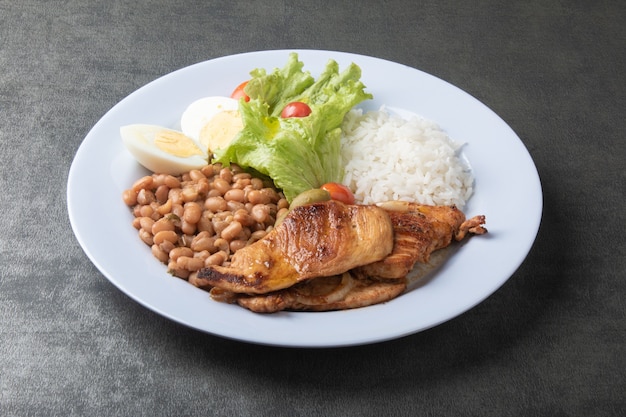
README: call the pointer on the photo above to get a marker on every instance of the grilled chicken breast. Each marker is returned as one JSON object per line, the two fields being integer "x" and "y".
{"x": 304, "y": 266}
{"x": 419, "y": 230}
{"x": 320, "y": 239}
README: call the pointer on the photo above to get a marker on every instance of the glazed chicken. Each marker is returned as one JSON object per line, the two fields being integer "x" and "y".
{"x": 320, "y": 239}
{"x": 419, "y": 230}
{"x": 331, "y": 256}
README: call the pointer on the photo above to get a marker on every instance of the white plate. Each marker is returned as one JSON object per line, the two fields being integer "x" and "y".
{"x": 508, "y": 192}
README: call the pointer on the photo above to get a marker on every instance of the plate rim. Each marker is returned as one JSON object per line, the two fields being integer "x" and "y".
{"x": 341, "y": 339}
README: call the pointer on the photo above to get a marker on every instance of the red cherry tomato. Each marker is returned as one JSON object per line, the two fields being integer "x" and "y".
{"x": 339, "y": 192}
{"x": 239, "y": 93}
{"x": 295, "y": 109}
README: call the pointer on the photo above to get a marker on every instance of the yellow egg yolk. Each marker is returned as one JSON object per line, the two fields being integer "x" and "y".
{"x": 177, "y": 144}
{"x": 221, "y": 129}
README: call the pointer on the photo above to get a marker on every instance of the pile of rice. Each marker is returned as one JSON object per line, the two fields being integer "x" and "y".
{"x": 389, "y": 158}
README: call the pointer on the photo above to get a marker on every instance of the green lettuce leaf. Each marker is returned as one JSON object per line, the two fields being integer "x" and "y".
{"x": 297, "y": 153}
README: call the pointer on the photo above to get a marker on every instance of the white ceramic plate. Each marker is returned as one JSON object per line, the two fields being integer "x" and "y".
{"x": 508, "y": 192}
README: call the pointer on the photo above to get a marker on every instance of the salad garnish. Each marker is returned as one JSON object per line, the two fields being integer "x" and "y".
{"x": 297, "y": 153}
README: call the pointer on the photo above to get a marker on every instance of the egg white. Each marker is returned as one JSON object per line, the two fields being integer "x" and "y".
{"x": 139, "y": 139}
{"x": 198, "y": 113}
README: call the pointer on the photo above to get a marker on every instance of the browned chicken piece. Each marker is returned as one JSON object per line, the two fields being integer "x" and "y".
{"x": 419, "y": 230}
{"x": 320, "y": 239}
{"x": 339, "y": 292}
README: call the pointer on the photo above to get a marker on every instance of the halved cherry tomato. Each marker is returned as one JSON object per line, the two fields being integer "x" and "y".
{"x": 339, "y": 192}
{"x": 295, "y": 109}
{"x": 239, "y": 93}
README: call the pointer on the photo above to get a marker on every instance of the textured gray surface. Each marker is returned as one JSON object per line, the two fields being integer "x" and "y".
{"x": 549, "y": 342}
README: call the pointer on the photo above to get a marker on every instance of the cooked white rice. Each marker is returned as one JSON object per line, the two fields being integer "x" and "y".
{"x": 389, "y": 158}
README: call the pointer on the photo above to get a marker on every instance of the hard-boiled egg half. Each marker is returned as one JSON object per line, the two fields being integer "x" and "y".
{"x": 207, "y": 124}
{"x": 212, "y": 121}
{"x": 162, "y": 150}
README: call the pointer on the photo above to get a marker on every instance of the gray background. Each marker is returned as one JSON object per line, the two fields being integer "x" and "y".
{"x": 549, "y": 342}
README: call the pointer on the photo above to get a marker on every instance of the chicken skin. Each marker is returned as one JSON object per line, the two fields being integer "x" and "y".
{"x": 319, "y": 239}
{"x": 331, "y": 256}
{"x": 419, "y": 230}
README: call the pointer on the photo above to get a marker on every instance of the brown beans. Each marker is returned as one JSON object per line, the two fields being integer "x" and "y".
{"x": 200, "y": 244}
{"x": 218, "y": 258}
{"x": 260, "y": 213}
{"x": 231, "y": 231}
{"x": 171, "y": 181}
{"x": 215, "y": 204}
{"x": 187, "y": 228}
{"x": 202, "y": 255}
{"x": 145, "y": 197}
{"x": 220, "y": 223}
{"x": 129, "y": 197}
{"x": 222, "y": 245}
{"x": 159, "y": 253}
{"x": 146, "y": 223}
{"x": 189, "y": 263}
{"x": 167, "y": 246}
{"x": 257, "y": 235}
{"x": 256, "y": 183}
{"x": 243, "y": 216}
{"x": 257, "y": 197}
{"x": 178, "y": 210}
{"x": 162, "y": 224}
{"x": 235, "y": 245}
{"x": 142, "y": 184}
{"x": 146, "y": 237}
{"x": 196, "y": 175}
{"x": 203, "y": 186}
{"x": 192, "y": 212}
{"x": 165, "y": 235}
{"x": 165, "y": 208}
{"x": 233, "y": 206}
{"x": 226, "y": 174}
{"x": 205, "y": 224}
{"x": 202, "y": 217}
{"x": 221, "y": 185}
{"x": 282, "y": 204}
{"x": 161, "y": 193}
{"x": 190, "y": 193}
{"x": 176, "y": 195}
{"x": 178, "y": 252}
{"x": 235, "y": 194}
{"x": 209, "y": 170}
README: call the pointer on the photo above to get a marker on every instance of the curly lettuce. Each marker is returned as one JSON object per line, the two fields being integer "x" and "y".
{"x": 298, "y": 153}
